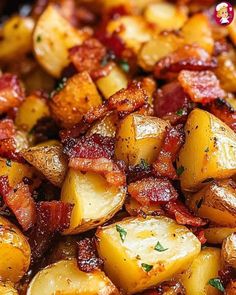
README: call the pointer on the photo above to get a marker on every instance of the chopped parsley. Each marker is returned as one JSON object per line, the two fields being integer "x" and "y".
{"x": 60, "y": 85}
{"x": 206, "y": 150}
{"x": 39, "y": 38}
{"x": 159, "y": 247}
{"x": 180, "y": 170}
{"x": 124, "y": 65}
{"x": 147, "y": 267}
{"x": 143, "y": 164}
{"x": 216, "y": 283}
{"x": 180, "y": 112}
{"x": 8, "y": 162}
{"x": 122, "y": 232}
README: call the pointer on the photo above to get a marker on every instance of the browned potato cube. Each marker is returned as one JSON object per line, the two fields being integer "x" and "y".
{"x": 229, "y": 250}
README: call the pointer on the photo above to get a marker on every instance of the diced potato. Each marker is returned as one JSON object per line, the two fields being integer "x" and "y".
{"x": 31, "y": 110}
{"x": 64, "y": 277}
{"x": 226, "y": 72}
{"x": 198, "y": 30}
{"x": 135, "y": 30}
{"x": 113, "y": 82}
{"x": 16, "y": 38}
{"x": 229, "y": 250}
{"x": 209, "y": 150}
{"x": 21, "y": 140}
{"x": 53, "y": 36}
{"x": 49, "y": 160}
{"x": 94, "y": 200}
{"x": 139, "y": 137}
{"x": 14, "y": 252}
{"x": 7, "y": 289}
{"x": 216, "y": 202}
{"x": 166, "y": 16}
{"x": 232, "y": 29}
{"x": 134, "y": 208}
{"x": 106, "y": 126}
{"x": 77, "y": 97}
{"x": 130, "y": 251}
{"x": 50, "y": 142}
{"x": 216, "y": 235}
{"x": 157, "y": 48}
{"x": 15, "y": 171}
{"x": 134, "y": 5}
{"x": 204, "y": 267}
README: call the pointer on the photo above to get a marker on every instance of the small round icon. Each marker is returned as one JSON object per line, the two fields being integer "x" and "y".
{"x": 224, "y": 13}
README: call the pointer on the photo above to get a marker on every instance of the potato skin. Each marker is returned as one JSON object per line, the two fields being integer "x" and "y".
{"x": 14, "y": 252}
{"x": 229, "y": 250}
{"x": 216, "y": 202}
{"x": 212, "y": 144}
{"x": 65, "y": 278}
{"x": 77, "y": 97}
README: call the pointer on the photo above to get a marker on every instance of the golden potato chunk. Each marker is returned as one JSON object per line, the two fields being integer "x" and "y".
{"x": 31, "y": 110}
{"x": 209, "y": 150}
{"x": 64, "y": 277}
{"x": 140, "y": 253}
{"x": 229, "y": 250}
{"x": 49, "y": 160}
{"x": 95, "y": 201}
{"x": 14, "y": 252}
{"x": 204, "y": 267}
{"x": 53, "y": 36}
{"x": 216, "y": 235}
{"x": 216, "y": 202}
{"x": 77, "y": 97}
{"x": 7, "y": 289}
{"x": 139, "y": 137}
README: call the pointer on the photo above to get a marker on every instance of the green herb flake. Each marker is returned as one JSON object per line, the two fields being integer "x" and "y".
{"x": 159, "y": 247}
{"x": 216, "y": 283}
{"x": 147, "y": 267}
{"x": 143, "y": 164}
{"x": 8, "y": 162}
{"x": 122, "y": 232}
{"x": 124, "y": 65}
{"x": 207, "y": 150}
{"x": 180, "y": 112}
{"x": 39, "y": 38}
{"x": 60, "y": 85}
{"x": 180, "y": 170}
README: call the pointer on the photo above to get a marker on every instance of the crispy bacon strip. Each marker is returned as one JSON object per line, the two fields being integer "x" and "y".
{"x": 223, "y": 110}
{"x": 172, "y": 103}
{"x": 181, "y": 214}
{"x": 201, "y": 86}
{"x": 20, "y": 201}
{"x": 163, "y": 166}
{"x": 87, "y": 258}
{"x": 94, "y": 153}
{"x": 52, "y": 217}
{"x": 189, "y": 57}
{"x": 124, "y": 101}
{"x": 87, "y": 57}
{"x": 152, "y": 190}
{"x": 11, "y": 92}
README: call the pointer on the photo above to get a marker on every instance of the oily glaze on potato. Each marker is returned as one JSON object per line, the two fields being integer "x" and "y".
{"x": 7, "y": 289}
{"x": 14, "y": 252}
{"x": 130, "y": 245}
{"x": 216, "y": 235}
{"x": 209, "y": 150}
{"x": 95, "y": 201}
{"x": 139, "y": 137}
{"x": 216, "y": 202}
{"x": 53, "y": 36}
{"x": 64, "y": 277}
{"x": 204, "y": 267}
{"x": 49, "y": 160}
{"x": 78, "y": 95}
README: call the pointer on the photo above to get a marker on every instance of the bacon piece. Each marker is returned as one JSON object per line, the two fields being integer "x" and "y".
{"x": 87, "y": 258}
{"x": 172, "y": 103}
{"x": 227, "y": 274}
{"x": 223, "y": 110}
{"x": 201, "y": 86}
{"x": 152, "y": 190}
{"x": 163, "y": 166}
{"x": 52, "y": 217}
{"x": 20, "y": 201}
{"x": 189, "y": 57}
{"x": 169, "y": 287}
{"x": 179, "y": 211}
{"x": 138, "y": 172}
{"x": 7, "y": 129}
{"x": 199, "y": 233}
{"x": 124, "y": 101}
{"x": 87, "y": 57}
{"x": 11, "y": 92}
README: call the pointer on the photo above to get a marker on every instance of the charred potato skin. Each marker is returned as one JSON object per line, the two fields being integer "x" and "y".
{"x": 229, "y": 250}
